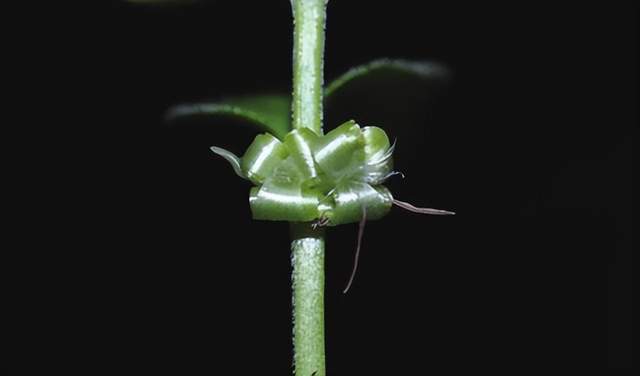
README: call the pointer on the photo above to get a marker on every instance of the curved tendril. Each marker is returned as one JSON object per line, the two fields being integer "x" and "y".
{"x": 393, "y": 173}
{"x": 363, "y": 221}
{"x": 233, "y": 160}
{"x": 411, "y": 208}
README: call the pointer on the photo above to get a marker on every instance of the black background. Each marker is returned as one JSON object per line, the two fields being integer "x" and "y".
{"x": 531, "y": 145}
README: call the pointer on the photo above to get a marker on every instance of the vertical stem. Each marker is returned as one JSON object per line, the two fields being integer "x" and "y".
{"x": 307, "y": 246}
{"x": 307, "y": 259}
{"x": 308, "y": 55}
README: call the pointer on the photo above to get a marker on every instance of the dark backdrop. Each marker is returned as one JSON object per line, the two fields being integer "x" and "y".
{"x": 530, "y": 145}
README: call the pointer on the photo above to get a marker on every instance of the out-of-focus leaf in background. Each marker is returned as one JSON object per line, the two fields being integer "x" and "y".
{"x": 164, "y": 2}
{"x": 389, "y": 93}
{"x": 385, "y": 92}
{"x": 265, "y": 113}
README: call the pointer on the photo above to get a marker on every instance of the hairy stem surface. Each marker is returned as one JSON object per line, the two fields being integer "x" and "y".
{"x": 307, "y": 259}
{"x": 307, "y": 244}
{"x": 308, "y": 54}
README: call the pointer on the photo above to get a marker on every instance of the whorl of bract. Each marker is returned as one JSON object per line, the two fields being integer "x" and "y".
{"x": 307, "y": 177}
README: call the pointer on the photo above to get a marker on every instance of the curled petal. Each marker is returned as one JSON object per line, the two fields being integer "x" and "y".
{"x": 340, "y": 153}
{"x": 378, "y": 152}
{"x": 300, "y": 143}
{"x": 275, "y": 201}
{"x": 349, "y": 199}
{"x": 262, "y": 156}
{"x": 376, "y": 143}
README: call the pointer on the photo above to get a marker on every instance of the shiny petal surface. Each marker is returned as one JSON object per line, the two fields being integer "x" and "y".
{"x": 262, "y": 156}
{"x": 340, "y": 152}
{"x": 349, "y": 199}
{"x": 378, "y": 155}
{"x": 301, "y": 143}
{"x": 275, "y": 201}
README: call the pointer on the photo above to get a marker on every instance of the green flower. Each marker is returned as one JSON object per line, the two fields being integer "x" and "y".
{"x": 305, "y": 177}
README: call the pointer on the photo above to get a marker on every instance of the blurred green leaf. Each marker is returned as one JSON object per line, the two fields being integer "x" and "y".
{"x": 270, "y": 113}
{"x": 385, "y": 92}
{"x": 162, "y": 2}
{"x": 390, "y": 73}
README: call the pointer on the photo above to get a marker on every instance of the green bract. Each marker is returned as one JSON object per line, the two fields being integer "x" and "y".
{"x": 306, "y": 177}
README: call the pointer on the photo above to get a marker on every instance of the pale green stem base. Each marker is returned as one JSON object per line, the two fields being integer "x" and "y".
{"x": 307, "y": 259}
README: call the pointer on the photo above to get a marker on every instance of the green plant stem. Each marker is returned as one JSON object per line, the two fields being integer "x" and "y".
{"x": 308, "y": 55}
{"x": 307, "y": 246}
{"x": 307, "y": 259}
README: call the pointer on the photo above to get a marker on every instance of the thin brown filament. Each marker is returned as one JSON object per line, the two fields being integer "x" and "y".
{"x": 363, "y": 221}
{"x": 411, "y": 208}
